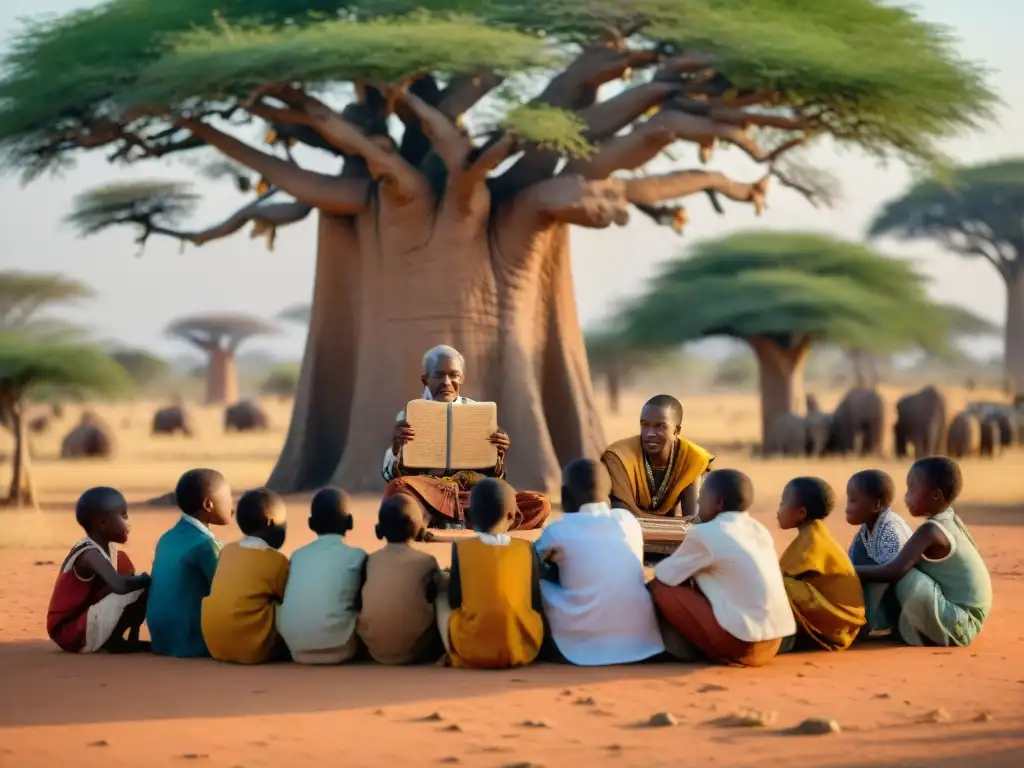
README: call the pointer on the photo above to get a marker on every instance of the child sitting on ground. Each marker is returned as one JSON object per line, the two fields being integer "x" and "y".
{"x": 492, "y": 618}
{"x": 97, "y": 597}
{"x": 823, "y": 589}
{"x": 596, "y": 600}
{"x": 882, "y": 534}
{"x": 238, "y": 615}
{"x": 735, "y": 611}
{"x": 942, "y": 585}
{"x": 396, "y": 621}
{"x": 184, "y": 564}
{"x": 317, "y": 618}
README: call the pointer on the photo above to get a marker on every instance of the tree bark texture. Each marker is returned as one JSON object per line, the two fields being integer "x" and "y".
{"x": 222, "y": 377}
{"x": 21, "y": 490}
{"x": 781, "y": 374}
{"x": 1014, "y": 352}
{"x": 387, "y": 290}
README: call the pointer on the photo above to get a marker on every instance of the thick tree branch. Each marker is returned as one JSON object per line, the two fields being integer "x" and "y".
{"x": 963, "y": 242}
{"x": 575, "y": 200}
{"x": 450, "y": 144}
{"x": 381, "y": 159}
{"x": 670, "y": 186}
{"x": 576, "y": 89}
{"x": 489, "y": 157}
{"x": 340, "y": 196}
{"x": 464, "y": 91}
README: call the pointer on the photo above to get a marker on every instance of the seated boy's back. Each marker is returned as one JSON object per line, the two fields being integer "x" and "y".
{"x": 184, "y": 565}
{"x": 238, "y": 615}
{"x": 396, "y": 621}
{"x": 494, "y": 592}
{"x": 317, "y": 617}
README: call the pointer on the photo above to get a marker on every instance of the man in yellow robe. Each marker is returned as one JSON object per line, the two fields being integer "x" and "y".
{"x": 657, "y": 473}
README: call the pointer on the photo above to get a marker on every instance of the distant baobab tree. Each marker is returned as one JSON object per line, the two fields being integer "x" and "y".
{"x": 219, "y": 336}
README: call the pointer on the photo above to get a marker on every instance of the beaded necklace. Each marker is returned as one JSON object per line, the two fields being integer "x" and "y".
{"x": 658, "y": 494}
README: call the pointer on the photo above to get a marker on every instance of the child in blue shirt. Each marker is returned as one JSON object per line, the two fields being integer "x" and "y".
{"x": 184, "y": 564}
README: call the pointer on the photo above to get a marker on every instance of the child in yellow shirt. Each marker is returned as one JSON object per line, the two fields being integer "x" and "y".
{"x": 238, "y": 615}
{"x": 494, "y": 592}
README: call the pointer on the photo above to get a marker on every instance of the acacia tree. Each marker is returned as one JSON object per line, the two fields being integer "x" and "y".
{"x": 219, "y": 337}
{"x": 144, "y": 367}
{"x": 615, "y": 360}
{"x": 27, "y": 363}
{"x": 26, "y": 296}
{"x": 783, "y": 292}
{"x": 456, "y": 230}
{"x": 978, "y": 212}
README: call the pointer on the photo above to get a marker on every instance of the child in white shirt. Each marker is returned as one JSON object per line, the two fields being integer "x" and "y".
{"x": 735, "y": 610}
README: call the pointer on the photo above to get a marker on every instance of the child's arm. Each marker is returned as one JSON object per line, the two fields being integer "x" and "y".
{"x": 692, "y": 557}
{"x": 358, "y": 605}
{"x": 97, "y": 565}
{"x": 204, "y": 556}
{"x": 454, "y": 584}
{"x": 687, "y": 503}
{"x": 537, "y": 600}
{"x": 929, "y": 539}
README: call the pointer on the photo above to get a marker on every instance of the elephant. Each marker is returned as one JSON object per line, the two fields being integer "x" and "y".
{"x": 246, "y": 416}
{"x": 819, "y": 428}
{"x": 92, "y": 438}
{"x": 920, "y": 422}
{"x": 858, "y": 423}
{"x": 1008, "y": 421}
{"x": 991, "y": 437}
{"x": 963, "y": 438}
{"x": 787, "y": 436}
{"x": 171, "y": 420}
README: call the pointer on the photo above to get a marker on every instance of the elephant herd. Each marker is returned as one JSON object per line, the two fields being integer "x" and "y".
{"x": 92, "y": 437}
{"x": 244, "y": 416}
{"x": 922, "y": 427}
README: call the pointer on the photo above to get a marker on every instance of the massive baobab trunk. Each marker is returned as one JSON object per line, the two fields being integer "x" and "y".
{"x": 502, "y": 295}
{"x": 222, "y": 377}
{"x": 1015, "y": 325}
{"x": 781, "y": 369}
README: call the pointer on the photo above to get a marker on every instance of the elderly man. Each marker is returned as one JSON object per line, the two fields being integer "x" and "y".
{"x": 657, "y": 473}
{"x": 445, "y": 498}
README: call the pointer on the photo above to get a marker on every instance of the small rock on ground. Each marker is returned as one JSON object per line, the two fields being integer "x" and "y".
{"x": 937, "y": 716}
{"x": 816, "y": 726}
{"x": 433, "y": 717}
{"x": 99, "y": 743}
{"x": 662, "y": 720}
{"x": 535, "y": 724}
{"x": 750, "y": 719}
{"x": 711, "y": 688}
{"x": 586, "y": 701}
{"x": 453, "y": 728}
{"x": 984, "y": 717}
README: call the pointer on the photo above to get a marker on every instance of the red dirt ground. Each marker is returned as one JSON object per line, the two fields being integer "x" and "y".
{"x": 58, "y": 709}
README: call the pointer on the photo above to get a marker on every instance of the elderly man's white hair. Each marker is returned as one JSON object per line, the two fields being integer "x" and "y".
{"x": 435, "y": 354}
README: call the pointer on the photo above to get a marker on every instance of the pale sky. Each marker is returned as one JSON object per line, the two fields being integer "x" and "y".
{"x": 138, "y": 297}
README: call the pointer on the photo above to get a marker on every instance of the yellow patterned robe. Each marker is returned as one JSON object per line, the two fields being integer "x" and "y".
{"x": 823, "y": 588}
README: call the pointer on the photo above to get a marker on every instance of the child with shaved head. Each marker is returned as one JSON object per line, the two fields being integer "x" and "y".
{"x": 184, "y": 564}
{"x": 317, "y": 618}
{"x": 238, "y": 615}
{"x": 97, "y": 598}
{"x": 721, "y": 592}
{"x": 396, "y": 620}
{"x": 597, "y": 604}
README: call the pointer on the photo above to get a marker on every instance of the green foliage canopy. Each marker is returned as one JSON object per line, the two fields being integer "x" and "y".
{"x": 791, "y": 287}
{"x": 860, "y": 70}
{"x": 25, "y": 295}
{"x": 144, "y": 367}
{"x": 28, "y": 363}
{"x": 976, "y": 211}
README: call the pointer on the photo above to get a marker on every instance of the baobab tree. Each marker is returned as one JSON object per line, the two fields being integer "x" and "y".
{"x": 977, "y": 213}
{"x": 781, "y": 293}
{"x": 457, "y": 230}
{"x": 219, "y": 337}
